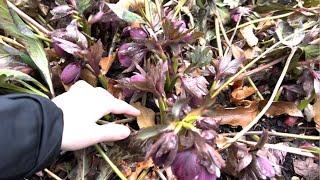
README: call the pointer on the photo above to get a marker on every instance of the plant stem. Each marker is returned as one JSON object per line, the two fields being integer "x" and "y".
{"x": 280, "y": 134}
{"x": 28, "y": 18}
{"x": 219, "y": 45}
{"x": 11, "y": 41}
{"x": 113, "y": 166}
{"x": 178, "y": 7}
{"x": 267, "y": 106}
{"x": 52, "y": 174}
{"x": 261, "y": 19}
{"x": 162, "y": 108}
{"x": 293, "y": 150}
{"x": 260, "y": 68}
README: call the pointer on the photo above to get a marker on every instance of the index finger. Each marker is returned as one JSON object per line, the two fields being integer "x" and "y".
{"x": 121, "y": 107}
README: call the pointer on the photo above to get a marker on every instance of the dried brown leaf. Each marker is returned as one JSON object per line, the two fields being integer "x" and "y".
{"x": 89, "y": 77}
{"x": 105, "y": 63}
{"x": 282, "y": 107}
{"x": 249, "y": 36}
{"x": 240, "y": 94}
{"x": 316, "y": 109}
{"x": 147, "y": 116}
{"x": 140, "y": 167}
{"x": 239, "y": 116}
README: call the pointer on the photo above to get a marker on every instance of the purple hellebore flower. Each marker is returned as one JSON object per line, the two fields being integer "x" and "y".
{"x": 138, "y": 33}
{"x": 187, "y": 166}
{"x": 129, "y": 52}
{"x": 71, "y": 73}
{"x": 265, "y": 167}
{"x": 164, "y": 150}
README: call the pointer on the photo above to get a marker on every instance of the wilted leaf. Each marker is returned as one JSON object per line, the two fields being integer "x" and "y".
{"x": 147, "y": 116}
{"x": 237, "y": 52}
{"x": 94, "y": 56}
{"x": 89, "y": 77}
{"x": 284, "y": 29}
{"x": 239, "y": 116}
{"x": 61, "y": 11}
{"x": 306, "y": 168}
{"x": 282, "y": 107}
{"x": 240, "y": 94}
{"x": 316, "y": 109}
{"x": 125, "y": 14}
{"x": 140, "y": 167}
{"x": 106, "y": 62}
{"x": 228, "y": 66}
{"x": 196, "y": 86}
{"x": 248, "y": 34}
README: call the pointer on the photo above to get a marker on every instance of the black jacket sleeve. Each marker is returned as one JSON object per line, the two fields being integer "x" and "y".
{"x": 30, "y": 134}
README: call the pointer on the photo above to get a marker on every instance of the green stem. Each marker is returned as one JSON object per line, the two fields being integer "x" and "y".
{"x": 267, "y": 106}
{"x": 113, "y": 166}
{"x": 103, "y": 80}
{"x": 162, "y": 107}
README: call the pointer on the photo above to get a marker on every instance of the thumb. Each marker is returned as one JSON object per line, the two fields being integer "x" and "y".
{"x": 110, "y": 132}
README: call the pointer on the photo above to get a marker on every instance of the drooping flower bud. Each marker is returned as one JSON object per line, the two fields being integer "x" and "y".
{"x": 71, "y": 73}
{"x": 187, "y": 166}
{"x": 164, "y": 150}
{"x": 129, "y": 52}
{"x": 138, "y": 34}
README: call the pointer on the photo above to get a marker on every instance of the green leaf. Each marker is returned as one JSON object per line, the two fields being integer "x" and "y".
{"x": 17, "y": 75}
{"x": 311, "y": 3}
{"x": 14, "y": 26}
{"x": 6, "y": 21}
{"x": 284, "y": 30}
{"x": 124, "y": 14}
{"x": 149, "y": 132}
{"x": 311, "y": 51}
{"x": 201, "y": 56}
{"x": 82, "y": 5}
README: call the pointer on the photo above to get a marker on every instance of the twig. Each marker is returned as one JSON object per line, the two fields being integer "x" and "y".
{"x": 262, "y": 19}
{"x": 52, "y": 174}
{"x": 260, "y": 68}
{"x": 293, "y": 150}
{"x": 113, "y": 166}
{"x": 267, "y": 106}
{"x": 280, "y": 134}
{"x": 28, "y": 18}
